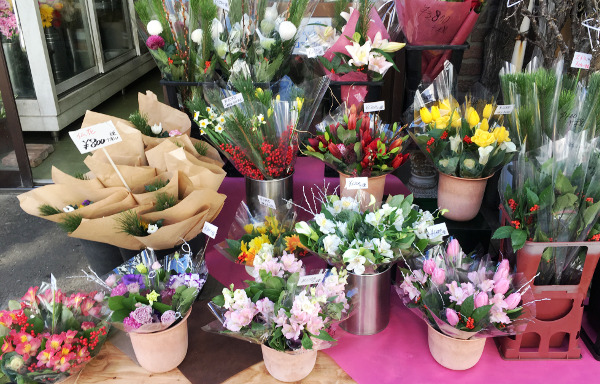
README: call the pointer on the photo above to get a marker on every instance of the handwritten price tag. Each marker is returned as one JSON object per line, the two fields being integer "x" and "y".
{"x": 311, "y": 279}
{"x": 357, "y": 183}
{"x": 581, "y": 60}
{"x": 230, "y": 101}
{"x": 210, "y": 230}
{"x": 437, "y": 230}
{"x": 504, "y": 109}
{"x": 269, "y": 203}
{"x": 314, "y": 51}
{"x": 95, "y": 137}
{"x": 223, "y": 4}
{"x": 374, "y": 107}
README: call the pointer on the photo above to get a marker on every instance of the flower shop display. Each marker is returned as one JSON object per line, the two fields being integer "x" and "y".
{"x": 290, "y": 314}
{"x": 366, "y": 244}
{"x": 358, "y": 49}
{"x": 467, "y": 144}
{"x": 48, "y": 335}
{"x": 463, "y": 299}
{"x": 437, "y": 22}
{"x": 151, "y": 301}
{"x": 359, "y": 145}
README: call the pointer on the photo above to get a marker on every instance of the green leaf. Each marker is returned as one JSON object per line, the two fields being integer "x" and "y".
{"x": 120, "y": 315}
{"x": 160, "y": 307}
{"x": 306, "y": 341}
{"x": 591, "y": 213}
{"x": 219, "y": 300}
{"x": 518, "y": 238}
{"x": 323, "y": 335}
{"x": 467, "y": 306}
{"x": 532, "y": 198}
{"x": 503, "y": 232}
{"x": 481, "y": 312}
{"x": 115, "y": 303}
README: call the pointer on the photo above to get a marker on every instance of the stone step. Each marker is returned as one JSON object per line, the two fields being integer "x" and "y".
{"x": 36, "y": 153}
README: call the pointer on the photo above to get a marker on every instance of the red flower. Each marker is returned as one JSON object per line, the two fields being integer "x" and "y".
{"x": 395, "y": 144}
{"x": 334, "y": 150}
{"x": 352, "y": 121}
{"x": 590, "y": 200}
{"x": 595, "y": 237}
{"x": 444, "y": 135}
{"x": 534, "y": 208}
{"x": 170, "y": 61}
{"x": 206, "y": 66}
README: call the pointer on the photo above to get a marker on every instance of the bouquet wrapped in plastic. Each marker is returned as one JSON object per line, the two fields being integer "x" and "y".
{"x": 368, "y": 242}
{"x": 250, "y": 231}
{"x": 151, "y": 296}
{"x": 359, "y": 144}
{"x": 465, "y": 297}
{"x": 258, "y": 129}
{"x": 468, "y": 141}
{"x": 47, "y": 335}
{"x": 280, "y": 309}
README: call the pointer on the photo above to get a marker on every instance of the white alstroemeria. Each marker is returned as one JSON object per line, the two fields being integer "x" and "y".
{"x": 68, "y": 209}
{"x": 399, "y": 221}
{"x": 360, "y": 54}
{"x": 265, "y": 253}
{"x": 484, "y": 154}
{"x": 383, "y": 247}
{"x": 216, "y": 29}
{"x": 303, "y": 228}
{"x": 346, "y": 15}
{"x": 355, "y": 262}
{"x": 420, "y": 226}
{"x": 368, "y": 244}
{"x": 331, "y": 244}
{"x": 387, "y": 209}
{"x": 325, "y": 225}
{"x": 156, "y": 129}
{"x": 152, "y": 228}
{"x": 374, "y": 218}
{"x": 197, "y": 36}
{"x": 508, "y": 146}
{"x": 228, "y": 296}
{"x": 154, "y": 27}
{"x": 455, "y": 142}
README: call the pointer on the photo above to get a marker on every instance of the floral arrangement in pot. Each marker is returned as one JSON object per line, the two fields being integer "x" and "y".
{"x": 366, "y": 244}
{"x": 359, "y": 145}
{"x": 466, "y": 144}
{"x": 47, "y": 335}
{"x": 290, "y": 314}
{"x": 463, "y": 300}
{"x": 151, "y": 301}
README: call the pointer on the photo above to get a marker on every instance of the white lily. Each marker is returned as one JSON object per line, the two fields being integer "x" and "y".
{"x": 360, "y": 54}
{"x": 156, "y": 129}
{"x": 346, "y": 15}
{"x": 508, "y": 146}
{"x": 379, "y": 64}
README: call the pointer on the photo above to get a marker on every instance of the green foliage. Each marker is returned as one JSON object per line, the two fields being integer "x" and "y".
{"x": 338, "y": 21}
{"x": 164, "y": 201}
{"x": 48, "y": 210}
{"x": 130, "y": 223}
{"x": 201, "y": 147}
{"x": 140, "y": 122}
{"x": 156, "y": 185}
{"x": 70, "y": 222}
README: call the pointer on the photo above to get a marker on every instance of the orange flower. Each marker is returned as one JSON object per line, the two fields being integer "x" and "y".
{"x": 292, "y": 243}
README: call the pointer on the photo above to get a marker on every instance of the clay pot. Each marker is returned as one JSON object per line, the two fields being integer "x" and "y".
{"x": 462, "y": 197}
{"x": 289, "y": 367}
{"x": 162, "y": 351}
{"x": 455, "y": 354}
{"x": 375, "y": 188}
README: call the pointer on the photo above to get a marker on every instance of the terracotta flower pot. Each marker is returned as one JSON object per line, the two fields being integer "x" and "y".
{"x": 375, "y": 188}
{"x": 288, "y": 367}
{"x": 462, "y": 197}
{"x": 161, "y": 351}
{"x": 455, "y": 354}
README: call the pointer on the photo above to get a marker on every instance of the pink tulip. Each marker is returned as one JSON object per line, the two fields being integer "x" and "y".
{"x": 451, "y": 316}
{"x": 429, "y": 266}
{"x": 453, "y": 249}
{"x": 438, "y": 276}
{"x": 481, "y": 299}
{"x": 503, "y": 270}
{"x": 513, "y": 300}
{"x": 156, "y": 266}
{"x": 501, "y": 286}
{"x": 111, "y": 280}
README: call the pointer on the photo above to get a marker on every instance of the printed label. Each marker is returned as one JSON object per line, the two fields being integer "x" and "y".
{"x": 357, "y": 183}
{"x": 427, "y": 94}
{"x": 581, "y": 60}
{"x": 504, "y": 109}
{"x": 95, "y": 137}
{"x": 437, "y": 230}
{"x": 229, "y": 102}
{"x": 210, "y": 230}
{"x": 311, "y": 279}
{"x": 223, "y": 4}
{"x": 374, "y": 107}
{"x": 269, "y": 203}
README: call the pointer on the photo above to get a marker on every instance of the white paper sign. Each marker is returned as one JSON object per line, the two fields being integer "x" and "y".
{"x": 374, "y": 107}
{"x": 437, "y": 230}
{"x": 581, "y": 60}
{"x": 357, "y": 183}
{"x": 95, "y": 137}
{"x": 314, "y": 51}
{"x": 223, "y": 4}
{"x": 269, "y": 203}
{"x": 311, "y": 279}
{"x": 210, "y": 230}
{"x": 504, "y": 109}
{"x": 53, "y": 283}
{"x": 427, "y": 94}
{"x": 230, "y": 101}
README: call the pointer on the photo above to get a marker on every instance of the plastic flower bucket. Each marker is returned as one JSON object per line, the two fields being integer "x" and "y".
{"x": 289, "y": 366}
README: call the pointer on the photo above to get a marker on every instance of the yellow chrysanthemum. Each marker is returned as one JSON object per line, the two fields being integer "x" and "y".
{"x": 501, "y": 135}
{"x": 483, "y": 138}
{"x": 47, "y": 15}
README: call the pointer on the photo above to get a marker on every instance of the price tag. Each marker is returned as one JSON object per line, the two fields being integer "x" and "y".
{"x": 311, "y": 279}
{"x": 210, "y": 230}
{"x": 229, "y": 102}
{"x": 357, "y": 183}
{"x": 53, "y": 283}
{"x": 437, "y": 230}
{"x": 223, "y": 4}
{"x": 374, "y": 107}
{"x": 314, "y": 51}
{"x": 95, "y": 137}
{"x": 447, "y": 65}
{"x": 269, "y": 203}
{"x": 504, "y": 109}
{"x": 581, "y": 60}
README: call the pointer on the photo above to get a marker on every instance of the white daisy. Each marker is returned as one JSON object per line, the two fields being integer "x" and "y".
{"x": 219, "y": 128}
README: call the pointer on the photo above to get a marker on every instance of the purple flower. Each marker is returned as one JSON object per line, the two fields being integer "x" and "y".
{"x": 168, "y": 318}
{"x": 119, "y": 290}
{"x": 130, "y": 324}
{"x": 131, "y": 279}
{"x": 155, "y": 42}
{"x": 143, "y": 314}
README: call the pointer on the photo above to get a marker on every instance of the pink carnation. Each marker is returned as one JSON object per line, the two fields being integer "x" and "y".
{"x": 130, "y": 324}
{"x": 155, "y": 42}
{"x": 143, "y": 314}
{"x": 119, "y": 290}
{"x": 168, "y": 318}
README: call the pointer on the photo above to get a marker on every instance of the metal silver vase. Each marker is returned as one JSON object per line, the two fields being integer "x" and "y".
{"x": 279, "y": 190}
{"x": 372, "y": 314}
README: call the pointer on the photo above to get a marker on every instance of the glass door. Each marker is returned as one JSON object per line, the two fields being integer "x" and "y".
{"x": 114, "y": 29}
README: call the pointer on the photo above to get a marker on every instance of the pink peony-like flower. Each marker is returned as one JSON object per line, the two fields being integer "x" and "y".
{"x": 143, "y": 314}
{"x": 155, "y": 42}
{"x": 290, "y": 263}
{"x": 87, "y": 325}
{"x": 119, "y": 290}
{"x": 130, "y": 324}
{"x": 174, "y": 133}
{"x": 168, "y": 318}
{"x": 451, "y": 316}
{"x": 481, "y": 299}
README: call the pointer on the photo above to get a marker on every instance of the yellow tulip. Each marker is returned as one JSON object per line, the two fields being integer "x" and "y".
{"x": 456, "y": 119}
{"x": 472, "y": 117}
{"x": 393, "y": 47}
{"x": 435, "y": 113}
{"x": 425, "y": 115}
{"x": 442, "y": 122}
{"x": 445, "y": 105}
{"x": 248, "y": 228}
{"x": 485, "y": 126}
{"x": 483, "y": 138}
{"x": 487, "y": 111}
{"x": 501, "y": 135}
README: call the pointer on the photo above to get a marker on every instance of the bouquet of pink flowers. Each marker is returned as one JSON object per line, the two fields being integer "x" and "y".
{"x": 47, "y": 336}
{"x": 464, "y": 297}
{"x": 283, "y": 308}
{"x": 8, "y": 20}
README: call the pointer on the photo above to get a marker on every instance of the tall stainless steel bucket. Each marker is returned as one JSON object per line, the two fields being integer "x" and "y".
{"x": 277, "y": 190}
